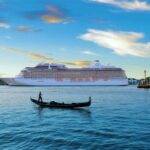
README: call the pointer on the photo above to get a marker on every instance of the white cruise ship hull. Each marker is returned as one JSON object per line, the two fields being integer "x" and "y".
{"x": 51, "y": 82}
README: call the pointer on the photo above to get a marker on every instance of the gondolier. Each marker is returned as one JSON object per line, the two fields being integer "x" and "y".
{"x": 40, "y": 97}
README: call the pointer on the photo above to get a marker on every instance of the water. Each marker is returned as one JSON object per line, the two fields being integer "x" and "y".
{"x": 119, "y": 118}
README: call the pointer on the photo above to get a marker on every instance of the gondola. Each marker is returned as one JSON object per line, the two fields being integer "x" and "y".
{"x": 54, "y": 104}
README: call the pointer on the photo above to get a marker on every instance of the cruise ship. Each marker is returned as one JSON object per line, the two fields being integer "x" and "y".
{"x": 45, "y": 74}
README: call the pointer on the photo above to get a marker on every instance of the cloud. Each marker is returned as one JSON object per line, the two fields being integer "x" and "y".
{"x": 89, "y": 53}
{"x": 31, "y": 55}
{"x": 43, "y": 58}
{"x": 27, "y": 29}
{"x": 2, "y": 74}
{"x": 4, "y": 25}
{"x": 122, "y": 43}
{"x": 38, "y": 57}
{"x": 51, "y": 15}
{"x": 127, "y": 4}
{"x": 79, "y": 63}
{"x": 52, "y": 19}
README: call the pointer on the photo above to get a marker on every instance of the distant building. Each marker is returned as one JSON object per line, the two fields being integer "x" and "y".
{"x": 133, "y": 81}
{"x": 144, "y": 83}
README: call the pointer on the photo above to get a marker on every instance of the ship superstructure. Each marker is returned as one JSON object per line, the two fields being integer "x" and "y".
{"x": 45, "y": 74}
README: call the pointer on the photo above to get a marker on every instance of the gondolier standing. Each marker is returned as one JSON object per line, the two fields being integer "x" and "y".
{"x": 40, "y": 97}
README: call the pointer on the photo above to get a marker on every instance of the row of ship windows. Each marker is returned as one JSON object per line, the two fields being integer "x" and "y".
{"x": 73, "y": 74}
{"x": 77, "y": 78}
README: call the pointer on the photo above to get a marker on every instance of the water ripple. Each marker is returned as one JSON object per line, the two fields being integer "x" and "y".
{"x": 114, "y": 121}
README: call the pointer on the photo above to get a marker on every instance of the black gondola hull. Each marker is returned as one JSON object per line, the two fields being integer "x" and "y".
{"x": 61, "y": 105}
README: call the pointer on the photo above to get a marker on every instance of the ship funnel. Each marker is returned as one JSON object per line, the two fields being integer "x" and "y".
{"x": 96, "y": 64}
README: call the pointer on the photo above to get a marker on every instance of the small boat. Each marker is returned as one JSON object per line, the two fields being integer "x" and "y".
{"x": 144, "y": 86}
{"x": 54, "y": 104}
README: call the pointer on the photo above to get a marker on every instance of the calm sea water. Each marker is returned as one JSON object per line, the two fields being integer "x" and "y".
{"x": 119, "y": 118}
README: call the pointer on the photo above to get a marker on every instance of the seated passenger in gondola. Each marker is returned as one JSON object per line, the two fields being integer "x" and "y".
{"x": 53, "y": 103}
{"x": 40, "y": 97}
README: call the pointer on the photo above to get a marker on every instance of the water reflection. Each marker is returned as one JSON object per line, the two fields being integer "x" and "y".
{"x": 86, "y": 112}
{"x": 39, "y": 111}
{"x": 118, "y": 118}
{"x": 83, "y": 111}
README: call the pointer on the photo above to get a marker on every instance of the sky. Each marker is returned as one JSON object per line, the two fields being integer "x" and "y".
{"x": 75, "y": 32}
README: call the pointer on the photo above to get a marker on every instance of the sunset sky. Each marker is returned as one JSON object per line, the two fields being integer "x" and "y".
{"x": 75, "y": 32}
